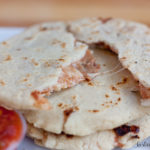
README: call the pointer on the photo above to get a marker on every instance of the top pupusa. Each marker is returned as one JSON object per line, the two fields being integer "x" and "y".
{"x": 42, "y": 59}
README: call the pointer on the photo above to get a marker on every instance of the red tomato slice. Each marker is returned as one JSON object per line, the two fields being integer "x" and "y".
{"x": 12, "y": 129}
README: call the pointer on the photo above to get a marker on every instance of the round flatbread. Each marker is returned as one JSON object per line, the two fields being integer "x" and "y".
{"x": 130, "y": 40}
{"x": 130, "y": 134}
{"x": 108, "y": 101}
{"x": 43, "y": 59}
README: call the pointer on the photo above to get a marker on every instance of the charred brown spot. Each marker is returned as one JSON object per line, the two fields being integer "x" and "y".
{"x": 119, "y": 99}
{"x": 135, "y": 137}
{"x": 124, "y": 81}
{"x": 69, "y": 136}
{"x": 125, "y": 129}
{"x": 105, "y": 20}
{"x": 67, "y": 113}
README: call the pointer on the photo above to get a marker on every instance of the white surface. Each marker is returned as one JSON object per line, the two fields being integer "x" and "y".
{"x": 28, "y": 144}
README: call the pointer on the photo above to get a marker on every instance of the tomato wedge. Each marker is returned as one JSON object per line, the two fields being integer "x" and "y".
{"x": 12, "y": 129}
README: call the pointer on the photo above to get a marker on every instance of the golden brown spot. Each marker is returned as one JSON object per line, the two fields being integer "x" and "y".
{"x": 8, "y": 58}
{"x": 107, "y": 106}
{"x": 67, "y": 113}
{"x": 144, "y": 91}
{"x": 111, "y": 102}
{"x": 2, "y": 82}
{"x": 147, "y": 32}
{"x": 95, "y": 32}
{"x": 43, "y": 28}
{"x": 4, "y": 43}
{"x": 106, "y": 95}
{"x": 25, "y": 79}
{"x": 76, "y": 108}
{"x": 40, "y": 100}
{"x": 124, "y": 81}
{"x": 61, "y": 59}
{"x": 60, "y": 105}
{"x": 25, "y": 58}
{"x": 34, "y": 62}
{"x": 90, "y": 83}
{"x": 47, "y": 64}
{"x": 28, "y": 75}
{"x": 105, "y": 20}
{"x": 94, "y": 111}
{"x": 114, "y": 88}
{"x": 74, "y": 97}
{"x": 102, "y": 104}
{"x": 63, "y": 45}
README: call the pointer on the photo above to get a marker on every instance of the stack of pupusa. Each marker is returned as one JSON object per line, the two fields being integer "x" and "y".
{"x": 40, "y": 68}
